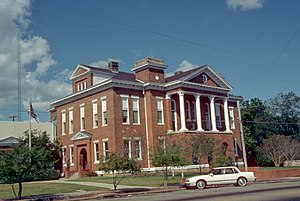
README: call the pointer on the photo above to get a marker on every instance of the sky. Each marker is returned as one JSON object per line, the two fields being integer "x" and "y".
{"x": 254, "y": 44}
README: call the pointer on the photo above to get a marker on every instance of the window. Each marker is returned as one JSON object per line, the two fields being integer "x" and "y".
{"x": 125, "y": 118}
{"x": 81, "y": 86}
{"x": 204, "y": 78}
{"x": 71, "y": 154}
{"x": 127, "y": 148}
{"x": 84, "y": 85}
{"x": 193, "y": 111}
{"x": 64, "y": 155}
{"x": 96, "y": 151}
{"x": 82, "y": 123}
{"x": 104, "y": 111}
{"x": 160, "y": 115}
{"x": 95, "y": 114}
{"x": 78, "y": 87}
{"x": 174, "y": 115}
{"x": 105, "y": 148}
{"x": 70, "y": 120}
{"x": 63, "y": 122}
{"x": 188, "y": 110}
{"x": 135, "y": 110}
{"x": 231, "y": 118}
{"x": 224, "y": 148}
{"x": 218, "y": 115}
{"x": 207, "y": 116}
{"x": 138, "y": 149}
{"x": 236, "y": 151}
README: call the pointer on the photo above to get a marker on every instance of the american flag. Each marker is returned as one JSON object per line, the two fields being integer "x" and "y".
{"x": 31, "y": 112}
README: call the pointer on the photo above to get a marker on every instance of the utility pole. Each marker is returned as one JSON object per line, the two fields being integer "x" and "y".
{"x": 19, "y": 75}
{"x": 13, "y": 117}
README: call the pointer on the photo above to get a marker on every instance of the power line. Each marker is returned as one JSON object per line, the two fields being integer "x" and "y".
{"x": 275, "y": 62}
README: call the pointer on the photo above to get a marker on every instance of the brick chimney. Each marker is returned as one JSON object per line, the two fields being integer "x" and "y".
{"x": 113, "y": 66}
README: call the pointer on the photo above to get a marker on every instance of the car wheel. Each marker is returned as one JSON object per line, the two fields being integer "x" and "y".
{"x": 201, "y": 184}
{"x": 242, "y": 181}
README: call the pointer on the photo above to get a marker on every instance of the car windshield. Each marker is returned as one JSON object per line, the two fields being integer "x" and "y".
{"x": 215, "y": 171}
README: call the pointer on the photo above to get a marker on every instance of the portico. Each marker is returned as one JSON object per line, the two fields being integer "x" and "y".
{"x": 198, "y": 110}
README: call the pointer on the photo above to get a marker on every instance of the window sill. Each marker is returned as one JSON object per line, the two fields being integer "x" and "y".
{"x": 104, "y": 125}
{"x": 96, "y": 162}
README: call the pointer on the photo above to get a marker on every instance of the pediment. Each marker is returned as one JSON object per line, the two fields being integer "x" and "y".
{"x": 8, "y": 141}
{"x": 79, "y": 70}
{"x": 82, "y": 135}
{"x": 207, "y": 76}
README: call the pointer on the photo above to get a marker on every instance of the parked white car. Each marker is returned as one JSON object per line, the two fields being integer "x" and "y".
{"x": 221, "y": 175}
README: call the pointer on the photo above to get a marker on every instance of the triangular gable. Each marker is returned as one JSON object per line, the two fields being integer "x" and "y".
{"x": 9, "y": 141}
{"x": 82, "y": 135}
{"x": 213, "y": 78}
{"x": 79, "y": 70}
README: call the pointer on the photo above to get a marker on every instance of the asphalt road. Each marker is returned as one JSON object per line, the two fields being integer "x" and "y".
{"x": 289, "y": 190}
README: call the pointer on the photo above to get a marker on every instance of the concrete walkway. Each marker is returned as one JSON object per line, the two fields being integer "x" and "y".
{"x": 97, "y": 184}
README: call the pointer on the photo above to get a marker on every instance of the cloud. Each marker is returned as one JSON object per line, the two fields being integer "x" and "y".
{"x": 36, "y": 61}
{"x": 103, "y": 63}
{"x": 244, "y": 4}
{"x": 185, "y": 65}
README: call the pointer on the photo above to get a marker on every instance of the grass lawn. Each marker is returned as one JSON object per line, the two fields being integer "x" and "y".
{"x": 279, "y": 168}
{"x": 34, "y": 188}
{"x": 153, "y": 181}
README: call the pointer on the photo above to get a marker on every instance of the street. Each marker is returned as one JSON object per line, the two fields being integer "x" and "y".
{"x": 256, "y": 191}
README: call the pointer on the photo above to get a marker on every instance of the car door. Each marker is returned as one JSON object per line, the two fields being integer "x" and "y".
{"x": 230, "y": 176}
{"x": 216, "y": 177}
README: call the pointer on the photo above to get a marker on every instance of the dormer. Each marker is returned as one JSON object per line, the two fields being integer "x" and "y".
{"x": 150, "y": 70}
{"x": 81, "y": 78}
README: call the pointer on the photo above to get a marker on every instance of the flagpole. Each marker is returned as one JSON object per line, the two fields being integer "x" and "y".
{"x": 29, "y": 136}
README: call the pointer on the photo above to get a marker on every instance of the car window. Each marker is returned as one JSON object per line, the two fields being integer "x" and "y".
{"x": 229, "y": 171}
{"x": 216, "y": 171}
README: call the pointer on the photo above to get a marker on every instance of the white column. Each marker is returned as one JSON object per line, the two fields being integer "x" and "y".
{"x": 198, "y": 113}
{"x": 182, "y": 111}
{"x": 226, "y": 115}
{"x": 213, "y": 113}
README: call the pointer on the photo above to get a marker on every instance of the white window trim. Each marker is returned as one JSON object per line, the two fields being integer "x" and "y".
{"x": 129, "y": 145}
{"x": 188, "y": 111}
{"x": 218, "y": 114}
{"x": 104, "y": 153}
{"x": 236, "y": 152}
{"x": 139, "y": 139}
{"x": 80, "y": 116}
{"x": 64, "y": 155}
{"x": 63, "y": 114}
{"x": 127, "y": 97}
{"x": 162, "y": 109}
{"x": 96, "y": 142}
{"x": 102, "y": 111}
{"x": 71, "y": 161}
{"x": 94, "y": 120}
{"x": 71, "y": 130}
{"x": 231, "y": 114}
{"x": 136, "y": 109}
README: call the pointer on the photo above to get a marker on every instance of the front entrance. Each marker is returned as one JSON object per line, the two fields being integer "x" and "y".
{"x": 83, "y": 159}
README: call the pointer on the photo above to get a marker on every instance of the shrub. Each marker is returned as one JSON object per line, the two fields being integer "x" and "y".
{"x": 91, "y": 174}
{"x": 221, "y": 160}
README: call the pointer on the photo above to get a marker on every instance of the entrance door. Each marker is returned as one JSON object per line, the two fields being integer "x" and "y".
{"x": 83, "y": 159}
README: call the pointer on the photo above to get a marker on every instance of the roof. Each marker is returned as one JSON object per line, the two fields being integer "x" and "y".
{"x": 180, "y": 75}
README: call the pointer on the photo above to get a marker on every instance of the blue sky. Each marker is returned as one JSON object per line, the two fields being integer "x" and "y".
{"x": 254, "y": 44}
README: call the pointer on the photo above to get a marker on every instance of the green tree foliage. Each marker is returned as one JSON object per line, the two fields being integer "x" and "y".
{"x": 21, "y": 164}
{"x": 221, "y": 160}
{"x": 168, "y": 155}
{"x": 279, "y": 115}
{"x": 201, "y": 146}
{"x": 119, "y": 165}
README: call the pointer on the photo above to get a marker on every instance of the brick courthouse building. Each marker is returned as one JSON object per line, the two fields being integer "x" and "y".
{"x": 114, "y": 111}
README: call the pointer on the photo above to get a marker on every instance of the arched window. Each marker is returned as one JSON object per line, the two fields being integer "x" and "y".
{"x": 174, "y": 115}
{"x": 224, "y": 148}
{"x": 188, "y": 110}
{"x": 207, "y": 117}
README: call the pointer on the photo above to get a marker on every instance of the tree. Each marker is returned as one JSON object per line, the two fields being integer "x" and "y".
{"x": 290, "y": 149}
{"x": 119, "y": 164}
{"x": 168, "y": 155}
{"x": 285, "y": 110}
{"x": 272, "y": 147}
{"x": 201, "y": 146}
{"x": 21, "y": 164}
